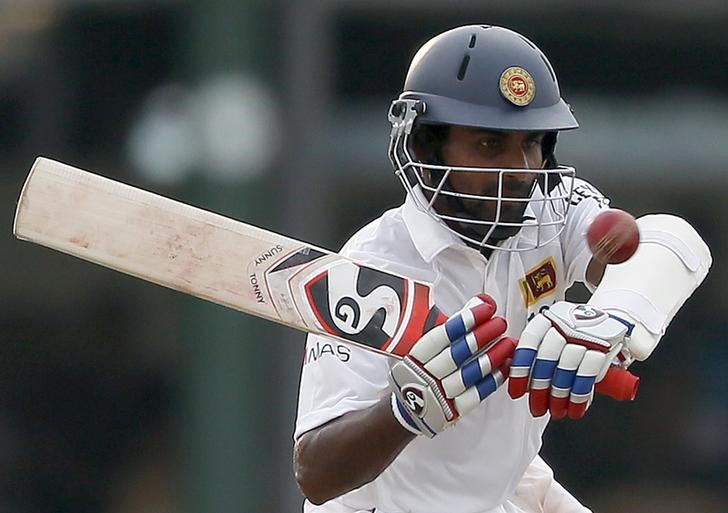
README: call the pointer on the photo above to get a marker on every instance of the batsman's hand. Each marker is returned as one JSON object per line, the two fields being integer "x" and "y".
{"x": 562, "y": 353}
{"x": 451, "y": 369}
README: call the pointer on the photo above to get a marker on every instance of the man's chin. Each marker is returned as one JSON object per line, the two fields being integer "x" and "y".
{"x": 511, "y": 212}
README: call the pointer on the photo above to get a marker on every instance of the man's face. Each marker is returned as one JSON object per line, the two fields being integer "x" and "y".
{"x": 470, "y": 147}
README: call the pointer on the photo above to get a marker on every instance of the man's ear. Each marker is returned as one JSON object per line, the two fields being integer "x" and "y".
{"x": 427, "y": 142}
{"x": 547, "y": 148}
{"x": 425, "y": 156}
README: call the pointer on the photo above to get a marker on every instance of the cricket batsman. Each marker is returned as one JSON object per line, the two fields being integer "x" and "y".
{"x": 497, "y": 225}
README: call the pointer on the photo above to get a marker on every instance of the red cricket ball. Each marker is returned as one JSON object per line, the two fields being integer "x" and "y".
{"x": 613, "y": 236}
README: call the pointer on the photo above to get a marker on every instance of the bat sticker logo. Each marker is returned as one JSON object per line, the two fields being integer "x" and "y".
{"x": 357, "y": 302}
{"x": 358, "y": 295}
{"x": 347, "y": 310}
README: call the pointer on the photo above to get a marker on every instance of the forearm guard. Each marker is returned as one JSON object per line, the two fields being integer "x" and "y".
{"x": 670, "y": 263}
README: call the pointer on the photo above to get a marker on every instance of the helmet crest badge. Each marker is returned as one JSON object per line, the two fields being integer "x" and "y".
{"x": 517, "y": 86}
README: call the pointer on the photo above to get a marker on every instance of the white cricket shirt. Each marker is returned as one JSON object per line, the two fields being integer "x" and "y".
{"x": 476, "y": 465}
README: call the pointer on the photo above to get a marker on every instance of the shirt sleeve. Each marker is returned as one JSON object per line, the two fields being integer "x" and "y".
{"x": 538, "y": 491}
{"x": 586, "y": 202}
{"x": 338, "y": 378}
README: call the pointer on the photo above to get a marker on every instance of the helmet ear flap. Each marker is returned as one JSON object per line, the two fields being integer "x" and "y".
{"x": 548, "y": 146}
{"x": 549, "y": 162}
{"x": 427, "y": 143}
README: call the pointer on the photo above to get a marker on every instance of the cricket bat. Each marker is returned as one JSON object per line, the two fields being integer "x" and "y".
{"x": 232, "y": 263}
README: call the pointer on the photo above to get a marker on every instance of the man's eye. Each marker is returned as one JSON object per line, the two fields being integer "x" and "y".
{"x": 489, "y": 143}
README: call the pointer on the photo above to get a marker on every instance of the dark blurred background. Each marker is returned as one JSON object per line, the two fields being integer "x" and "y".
{"x": 117, "y": 396}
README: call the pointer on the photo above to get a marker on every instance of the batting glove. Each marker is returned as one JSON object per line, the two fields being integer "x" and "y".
{"x": 451, "y": 369}
{"x": 562, "y": 353}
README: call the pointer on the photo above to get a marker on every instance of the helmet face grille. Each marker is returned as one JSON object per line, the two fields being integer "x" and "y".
{"x": 482, "y": 220}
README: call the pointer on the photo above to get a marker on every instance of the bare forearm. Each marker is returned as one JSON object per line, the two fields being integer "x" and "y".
{"x": 348, "y": 452}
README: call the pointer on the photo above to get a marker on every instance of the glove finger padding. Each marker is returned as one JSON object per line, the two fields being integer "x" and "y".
{"x": 562, "y": 353}
{"x": 563, "y": 380}
{"x": 486, "y": 373}
{"x": 525, "y": 355}
{"x": 582, "y": 391}
{"x": 547, "y": 357}
{"x": 476, "y": 312}
{"x": 456, "y": 354}
{"x": 476, "y": 370}
{"x": 431, "y": 384}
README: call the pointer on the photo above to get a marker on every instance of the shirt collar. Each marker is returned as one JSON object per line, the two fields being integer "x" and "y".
{"x": 527, "y": 235}
{"x": 429, "y": 235}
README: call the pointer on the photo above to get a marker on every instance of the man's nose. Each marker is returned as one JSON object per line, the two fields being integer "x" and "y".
{"x": 516, "y": 185}
{"x": 516, "y": 159}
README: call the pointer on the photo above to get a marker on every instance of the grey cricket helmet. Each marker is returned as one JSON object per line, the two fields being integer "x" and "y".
{"x": 465, "y": 76}
{"x": 492, "y": 78}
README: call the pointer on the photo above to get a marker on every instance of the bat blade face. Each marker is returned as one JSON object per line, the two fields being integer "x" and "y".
{"x": 219, "y": 259}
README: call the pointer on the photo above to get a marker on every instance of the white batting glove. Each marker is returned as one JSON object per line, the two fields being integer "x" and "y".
{"x": 451, "y": 369}
{"x": 562, "y": 353}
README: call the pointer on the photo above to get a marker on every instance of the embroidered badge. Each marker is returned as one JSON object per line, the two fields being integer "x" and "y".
{"x": 517, "y": 86}
{"x": 539, "y": 282}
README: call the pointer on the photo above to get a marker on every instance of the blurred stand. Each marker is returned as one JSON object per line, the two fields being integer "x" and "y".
{"x": 117, "y": 396}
